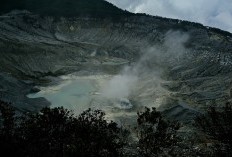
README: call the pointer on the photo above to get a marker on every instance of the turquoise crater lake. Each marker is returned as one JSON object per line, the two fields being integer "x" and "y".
{"x": 73, "y": 94}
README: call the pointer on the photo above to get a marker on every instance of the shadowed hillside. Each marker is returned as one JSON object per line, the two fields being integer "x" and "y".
{"x": 69, "y": 8}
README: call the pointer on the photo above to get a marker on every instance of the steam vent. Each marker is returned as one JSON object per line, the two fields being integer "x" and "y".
{"x": 81, "y": 54}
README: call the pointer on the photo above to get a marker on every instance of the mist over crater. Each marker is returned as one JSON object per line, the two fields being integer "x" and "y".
{"x": 137, "y": 84}
{"x": 118, "y": 64}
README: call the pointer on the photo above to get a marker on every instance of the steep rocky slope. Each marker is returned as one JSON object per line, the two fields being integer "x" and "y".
{"x": 195, "y": 72}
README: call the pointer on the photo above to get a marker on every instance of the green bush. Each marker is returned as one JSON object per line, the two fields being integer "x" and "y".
{"x": 217, "y": 124}
{"x": 56, "y": 132}
{"x": 156, "y": 136}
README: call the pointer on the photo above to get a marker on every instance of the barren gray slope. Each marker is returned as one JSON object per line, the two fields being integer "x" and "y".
{"x": 33, "y": 47}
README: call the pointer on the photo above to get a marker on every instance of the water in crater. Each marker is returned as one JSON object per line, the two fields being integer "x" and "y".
{"x": 80, "y": 93}
{"x": 72, "y": 94}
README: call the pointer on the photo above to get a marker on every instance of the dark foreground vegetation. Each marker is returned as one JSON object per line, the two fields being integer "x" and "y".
{"x": 217, "y": 125}
{"x": 58, "y": 133}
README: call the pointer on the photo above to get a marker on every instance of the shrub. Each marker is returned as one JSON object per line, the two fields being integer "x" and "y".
{"x": 217, "y": 124}
{"x": 57, "y": 132}
{"x": 156, "y": 136}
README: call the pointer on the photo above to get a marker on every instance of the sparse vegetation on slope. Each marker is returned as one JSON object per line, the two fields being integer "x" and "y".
{"x": 69, "y": 8}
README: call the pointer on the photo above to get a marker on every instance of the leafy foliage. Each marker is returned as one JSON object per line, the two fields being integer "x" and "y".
{"x": 94, "y": 136}
{"x": 8, "y": 139}
{"x": 46, "y": 133}
{"x": 218, "y": 126}
{"x": 56, "y": 132}
{"x": 7, "y": 114}
{"x": 156, "y": 136}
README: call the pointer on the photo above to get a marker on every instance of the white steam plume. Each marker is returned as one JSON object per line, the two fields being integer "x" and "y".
{"x": 150, "y": 64}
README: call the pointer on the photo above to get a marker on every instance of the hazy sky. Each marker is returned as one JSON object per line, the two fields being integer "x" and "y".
{"x": 216, "y": 13}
